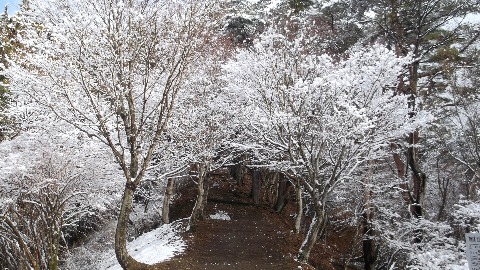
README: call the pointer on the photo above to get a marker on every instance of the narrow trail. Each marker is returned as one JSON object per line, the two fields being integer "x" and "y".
{"x": 254, "y": 238}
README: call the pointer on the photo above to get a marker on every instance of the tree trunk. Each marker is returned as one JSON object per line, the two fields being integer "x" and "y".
{"x": 283, "y": 187}
{"x": 419, "y": 178}
{"x": 206, "y": 188}
{"x": 54, "y": 249}
{"x": 32, "y": 261}
{"x": 299, "y": 197}
{"x": 271, "y": 186}
{"x": 443, "y": 188}
{"x": 166, "y": 201}
{"x": 198, "y": 212}
{"x": 368, "y": 244}
{"x": 370, "y": 251}
{"x": 256, "y": 183}
{"x": 416, "y": 199}
{"x": 124, "y": 259}
{"x": 316, "y": 227}
{"x": 238, "y": 172}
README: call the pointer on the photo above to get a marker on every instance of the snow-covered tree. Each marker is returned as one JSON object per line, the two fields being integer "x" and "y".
{"x": 321, "y": 119}
{"x": 113, "y": 70}
{"x": 202, "y": 125}
{"x": 428, "y": 30}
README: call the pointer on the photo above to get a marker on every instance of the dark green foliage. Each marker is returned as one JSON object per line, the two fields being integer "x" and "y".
{"x": 242, "y": 30}
{"x": 299, "y": 5}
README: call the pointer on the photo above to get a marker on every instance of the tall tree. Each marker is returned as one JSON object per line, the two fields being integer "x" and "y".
{"x": 418, "y": 28}
{"x": 321, "y": 119}
{"x": 113, "y": 70}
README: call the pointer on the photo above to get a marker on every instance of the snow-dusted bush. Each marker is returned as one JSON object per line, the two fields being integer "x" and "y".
{"x": 465, "y": 218}
{"x": 438, "y": 249}
{"x": 39, "y": 208}
{"x": 49, "y": 195}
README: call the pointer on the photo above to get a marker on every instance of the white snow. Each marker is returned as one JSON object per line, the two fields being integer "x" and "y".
{"x": 156, "y": 246}
{"x": 326, "y": 4}
{"x": 220, "y": 215}
{"x": 469, "y": 19}
{"x": 370, "y": 14}
{"x": 459, "y": 267}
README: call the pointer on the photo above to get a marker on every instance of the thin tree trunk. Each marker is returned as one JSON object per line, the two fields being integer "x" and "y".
{"x": 299, "y": 197}
{"x": 443, "y": 188}
{"x": 370, "y": 251}
{"x": 239, "y": 173}
{"x": 283, "y": 187}
{"x": 271, "y": 186}
{"x": 368, "y": 243}
{"x": 256, "y": 179}
{"x": 123, "y": 257}
{"x": 54, "y": 252}
{"x": 166, "y": 201}
{"x": 206, "y": 189}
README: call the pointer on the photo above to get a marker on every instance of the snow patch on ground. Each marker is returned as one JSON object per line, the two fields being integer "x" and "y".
{"x": 220, "y": 215}
{"x": 156, "y": 246}
{"x": 459, "y": 267}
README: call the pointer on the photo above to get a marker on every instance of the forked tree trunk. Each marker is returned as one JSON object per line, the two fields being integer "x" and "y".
{"x": 123, "y": 257}
{"x": 415, "y": 196}
{"x": 198, "y": 212}
{"x": 166, "y": 201}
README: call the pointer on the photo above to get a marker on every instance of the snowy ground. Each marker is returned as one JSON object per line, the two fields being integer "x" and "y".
{"x": 152, "y": 247}
{"x": 220, "y": 215}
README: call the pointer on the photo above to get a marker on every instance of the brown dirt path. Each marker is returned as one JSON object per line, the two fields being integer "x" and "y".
{"x": 256, "y": 237}
{"x": 250, "y": 240}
